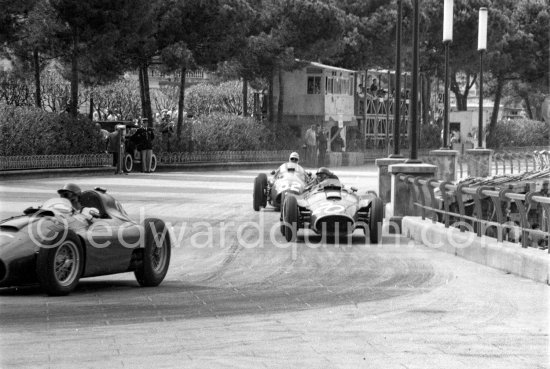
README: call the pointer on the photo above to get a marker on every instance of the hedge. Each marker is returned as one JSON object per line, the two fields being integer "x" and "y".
{"x": 33, "y": 131}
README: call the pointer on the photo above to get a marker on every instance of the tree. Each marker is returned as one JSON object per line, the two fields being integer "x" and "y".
{"x": 91, "y": 34}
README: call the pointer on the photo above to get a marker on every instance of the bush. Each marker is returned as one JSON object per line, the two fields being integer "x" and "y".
{"x": 32, "y": 131}
{"x": 227, "y": 132}
{"x": 519, "y": 133}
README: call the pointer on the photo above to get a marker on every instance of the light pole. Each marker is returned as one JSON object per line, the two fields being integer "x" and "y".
{"x": 481, "y": 47}
{"x": 447, "y": 39}
{"x": 413, "y": 134}
{"x": 397, "y": 102}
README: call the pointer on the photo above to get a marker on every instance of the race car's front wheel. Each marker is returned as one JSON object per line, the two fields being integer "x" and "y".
{"x": 156, "y": 254}
{"x": 60, "y": 263}
{"x": 128, "y": 163}
{"x": 290, "y": 218}
{"x": 375, "y": 220}
{"x": 259, "y": 196}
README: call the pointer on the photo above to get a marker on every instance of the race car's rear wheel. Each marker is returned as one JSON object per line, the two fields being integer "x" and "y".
{"x": 376, "y": 218}
{"x": 60, "y": 263}
{"x": 259, "y": 195}
{"x": 128, "y": 163}
{"x": 290, "y": 218}
{"x": 156, "y": 254}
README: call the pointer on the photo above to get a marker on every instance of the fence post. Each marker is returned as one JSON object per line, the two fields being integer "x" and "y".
{"x": 401, "y": 192}
{"x": 446, "y": 162}
{"x": 479, "y": 162}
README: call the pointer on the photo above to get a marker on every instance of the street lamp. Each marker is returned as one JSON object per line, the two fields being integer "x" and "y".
{"x": 447, "y": 39}
{"x": 397, "y": 101}
{"x": 413, "y": 134}
{"x": 481, "y": 47}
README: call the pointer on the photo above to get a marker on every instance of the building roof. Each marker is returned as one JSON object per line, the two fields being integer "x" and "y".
{"x": 330, "y": 67}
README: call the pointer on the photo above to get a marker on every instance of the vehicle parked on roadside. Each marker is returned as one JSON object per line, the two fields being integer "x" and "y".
{"x": 55, "y": 246}
{"x": 331, "y": 209}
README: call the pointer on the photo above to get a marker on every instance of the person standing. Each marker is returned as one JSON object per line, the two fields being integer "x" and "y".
{"x": 147, "y": 149}
{"x": 113, "y": 146}
{"x": 311, "y": 145}
{"x": 322, "y": 145}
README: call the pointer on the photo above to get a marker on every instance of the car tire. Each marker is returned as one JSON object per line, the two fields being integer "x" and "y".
{"x": 153, "y": 162}
{"x": 290, "y": 218}
{"x": 376, "y": 217}
{"x": 128, "y": 163}
{"x": 60, "y": 267}
{"x": 259, "y": 196}
{"x": 156, "y": 260}
{"x": 283, "y": 228}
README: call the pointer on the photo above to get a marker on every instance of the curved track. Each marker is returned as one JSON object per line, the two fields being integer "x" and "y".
{"x": 237, "y": 295}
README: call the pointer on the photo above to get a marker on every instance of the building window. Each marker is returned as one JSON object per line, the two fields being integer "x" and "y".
{"x": 314, "y": 85}
{"x": 339, "y": 85}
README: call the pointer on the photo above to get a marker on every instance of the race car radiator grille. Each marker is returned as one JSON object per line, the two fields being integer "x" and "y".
{"x": 334, "y": 223}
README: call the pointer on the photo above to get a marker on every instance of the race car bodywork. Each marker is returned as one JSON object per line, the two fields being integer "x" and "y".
{"x": 289, "y": 178}
{"x": 55, "y": 245}
{"x": 329, "y": 208}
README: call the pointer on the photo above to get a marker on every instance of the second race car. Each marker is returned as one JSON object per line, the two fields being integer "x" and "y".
{"x": 289, "y": 178}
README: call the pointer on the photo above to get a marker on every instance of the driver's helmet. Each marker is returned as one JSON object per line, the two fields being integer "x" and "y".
{"x": 323, "y": 173}
{"x": 294, "y": 157}
{"x": 69, "y": 190}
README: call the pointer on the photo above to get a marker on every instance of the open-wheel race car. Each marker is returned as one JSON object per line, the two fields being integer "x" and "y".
{"x": 288, "y": 178}
{"x": 330, "y": 209}
{"x": 55, "y": 245}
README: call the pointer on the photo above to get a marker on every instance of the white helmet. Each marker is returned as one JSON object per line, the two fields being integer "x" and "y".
{"x": 295, "y": 156}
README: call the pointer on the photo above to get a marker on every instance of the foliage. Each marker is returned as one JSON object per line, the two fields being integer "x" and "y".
{"x": 121, "y": 97}
{"x": 15, "y": 90}
{"x": 204, "y": 99}
{"x": 519, "y": 133}
{"x": 430, "y": 137}
{"x": 32, "y": 131}
{"x": 227, "y": 132}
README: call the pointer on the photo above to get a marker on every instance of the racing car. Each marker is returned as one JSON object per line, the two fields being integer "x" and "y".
{"x": 329, "y": 208}
{"x": 289, "y": 178}
{"x": 55, "y": 245}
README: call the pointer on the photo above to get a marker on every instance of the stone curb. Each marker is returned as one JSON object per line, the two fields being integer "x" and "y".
{"x": 506, "y": 256}
{"x": 64, "y": 172}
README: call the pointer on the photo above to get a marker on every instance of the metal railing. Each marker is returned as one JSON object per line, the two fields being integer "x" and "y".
{"x": 519, "y": 212}
{"x": 55, "y": 161}
{"x": 222, "y": 156}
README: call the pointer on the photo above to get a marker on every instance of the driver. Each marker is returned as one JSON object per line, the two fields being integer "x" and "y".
{"x": 322, "y": 174}
{"x": 292, "y": 163}
{"x": 72, "y": 192}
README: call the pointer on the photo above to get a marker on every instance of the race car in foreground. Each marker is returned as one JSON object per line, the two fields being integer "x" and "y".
{"x": 329, "y": 208}
{"x": 55, "y": 245}
{"x": 289, "y": 178}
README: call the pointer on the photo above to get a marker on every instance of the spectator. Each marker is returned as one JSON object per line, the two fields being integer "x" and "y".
{"x": 111, "y": 116}
{"x": 337, "y": 143}
{"x": 102, "y": 132}
{"x": 373, "y": 87}
{"x": 311, "y": 144}
{"x": 144, "y": 143}
{"x": 322, "y": 145}
{"x": 113, "y": 147}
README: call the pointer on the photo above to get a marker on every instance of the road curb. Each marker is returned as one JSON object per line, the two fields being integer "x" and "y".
{"x": 506, "y": 256}
{"x": 108, "y": 170}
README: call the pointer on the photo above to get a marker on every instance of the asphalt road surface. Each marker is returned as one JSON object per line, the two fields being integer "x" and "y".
{"x": 238, "y": 296}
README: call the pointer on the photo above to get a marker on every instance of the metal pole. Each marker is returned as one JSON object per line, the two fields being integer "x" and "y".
{"x": 413, "y": 155}
{"x": 397, "y": 97}
{"x": 480, "y": 121}
{"x": 446, "y": 99}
